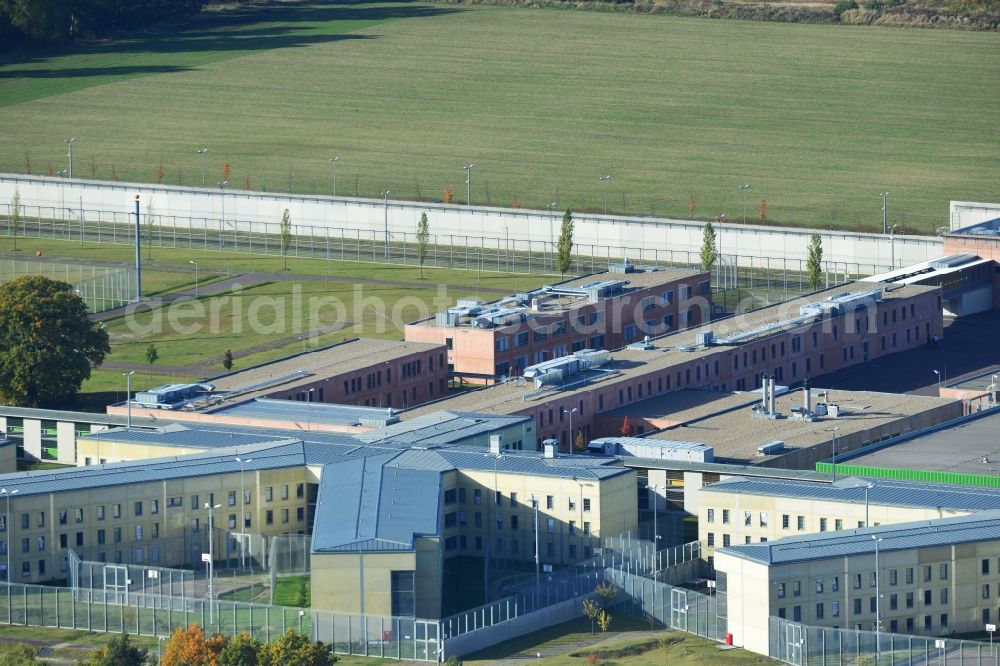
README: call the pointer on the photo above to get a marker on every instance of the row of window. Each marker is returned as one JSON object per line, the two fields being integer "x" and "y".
{"x": 460, "y": 496}
{"x": 138, "y": 557}
{"x": 894, "y": 624}
{"x": 500, "y": 546}
{"x": 460, "y": 519}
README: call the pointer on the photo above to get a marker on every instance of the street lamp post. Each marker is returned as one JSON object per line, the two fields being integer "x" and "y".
{"x": 69, "y": 155}
{"x": 309, "y": 401}
{"x": 385, "y": 202}
{"x": 867, "y": 487}
{"x": 938, "y": 373}
{"x": 333, "y": 163}
{"x": 878, "y": 596}
{"x": 885, "y": 212}
{"x": 572, "y": 438}
{"x": 191, "y": 261}
{"x": 243, "y": 463}
{"x": 552, "y": 221}
{"x": 606, "y": 180}
{"x": 128, "y": 397}
{"x": 468, "y": 183}
{"x": 538, "y": 565}
{"x": 211, "y": 555}
{"x": 833, "y": 459}
{"x": 6, "y": 494}
{"x": 656, "y": 534}
{"x": 204, "y": 153}
{"x": 743, "y": 195}
{"x": 892, "y": 247}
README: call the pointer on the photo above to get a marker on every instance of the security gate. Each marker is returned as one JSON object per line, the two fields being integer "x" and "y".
{"x": 426, "y": 644}
{"x": 794, "y": 641}
{"x": 678, "y": 609}
{"x": 115, "y": 584}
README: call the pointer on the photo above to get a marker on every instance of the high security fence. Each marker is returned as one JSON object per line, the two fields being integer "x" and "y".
{"x": 374, "y": 636}
{"x": 101, "y": 287}
{"x": 672, "y": 606}
{"x": 802, "y": 645}
{"x": 737, "y": 278}
{"x": 142, "y": 614}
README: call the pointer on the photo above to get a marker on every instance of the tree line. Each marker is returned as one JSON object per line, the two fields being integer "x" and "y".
{"x": 62, "y": 21}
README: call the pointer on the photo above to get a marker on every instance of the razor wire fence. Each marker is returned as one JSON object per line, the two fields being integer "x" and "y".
{"x": 376, "y": 636}
{"x": 738, "y": 279}
{"x": 802, "y": 645}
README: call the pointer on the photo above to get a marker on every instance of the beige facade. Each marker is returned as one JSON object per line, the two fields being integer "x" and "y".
{"x": 726, "y": 519}
{"x": 161, "y": 523}
{"x": 924, "y": 591}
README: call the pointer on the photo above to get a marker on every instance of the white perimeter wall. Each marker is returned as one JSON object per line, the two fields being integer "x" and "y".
{"x": 628, "y": 234}
{"x": 966, "y": 213}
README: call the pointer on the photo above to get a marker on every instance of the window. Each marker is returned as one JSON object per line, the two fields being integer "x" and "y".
{"x": 781, "y": 590}
{"x": 838, "y": 524}
{"x": 725, "y": 516}
{"x": 284, "y": 492}
{"x": 986, "y": 591}
{"x": 893, "y": 601}
{"x": 763, "y": 519}
{"x": 927, "y": 598}
{"x": 138, "y": 532}
{"x": 231, "y": 498}
{"x": 784, "y": 521}
{"x": 550, "y": 502}
{"x": 725, "y": 540}
{"x": 928, "y": 623}
{"x": 586, "y": 504}
{"x": 154, "y": 506}
{"x": 194, "y": 503}
{"x": 711, "y": 539}
{"x": 62, "y": 516}
{"x": 944, "y": 620}
{"x": 747, "y": 518}
{"x": 986, "y": 566}
{"x": 572, "y": 527}
{"x": 835, "y": 585}
{"x": 550, "y": 525}
{"x": 857, "y": 581}
{"x": 572, "y": 504}
{"x": 797, "y": 588}
{"x": 909, "y": 575}
{"x": 819, "y": 611}
{"x": 118, "y": 535}
{"x": 116, "y": 511}
{"x": 711, "y": 516}
{"x": 857, "y": 606}
{"x": 819, "y": 586}
{"x": 927, "y": 573}
{"x": 797, "y": 613}
{"x": 41, "y": 544}
{"x": 300, "y": 490}
{"x": 909, "y": 599}
{"x": 586, "y": 528}
{"x": 800, "y": 523}
{"x": 300, "y": 514}
{"x": 822, "y": 524}
{"x": 269, "y": 517}
{"x": 284, "y": 515}
{"x": 834, "y": 609}
{"x": 892, "y": 576}
{"x": 101, "y": 537}
{"x": 943, "y": 571}
{"x": 943, "y": 596}
{"x": 174, "y": 502}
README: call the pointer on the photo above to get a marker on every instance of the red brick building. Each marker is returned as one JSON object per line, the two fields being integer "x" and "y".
{"x": 486, "y": 342}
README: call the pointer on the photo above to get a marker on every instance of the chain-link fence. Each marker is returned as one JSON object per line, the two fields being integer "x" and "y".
{"x": 803, "y": 645}
{"x": 738, "y": 279}
{"x": 100, "y": 287}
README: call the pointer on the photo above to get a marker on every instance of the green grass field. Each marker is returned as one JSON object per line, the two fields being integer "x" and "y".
{"x": 818, "y": 119}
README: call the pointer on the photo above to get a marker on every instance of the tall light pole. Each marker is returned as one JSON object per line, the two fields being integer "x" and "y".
{"x": 385, "y": 202}
{"x": 606, "y": 180}
{"x": 892, "y": 246}
{"x": 656, "y": 534}
{"x": 138, "y": 253}
{"x": 833, "y": 459}
{"x": 309, "y": 402}
{"x": 468, "y": 182}
{"x": 333, "y": 163}
{"x": 878, "y": 596}
{"x": 867, "y": 487}
{"x": 192, "y": 261}
{"x": 6, "y": 494}
{"x": 885, "y": 212}
{"x": 538, "y": 565}
{"x": 69, "y": 155}
{"x": 743, "y": 195}
{"x": 243, "y": 463}
{"x": 204, "y": 153}
{"x": 572, "y": 438}
{"x": 938, "y": 373}
{"x": 211, "y": 555}
{"x": 128, "y": 397}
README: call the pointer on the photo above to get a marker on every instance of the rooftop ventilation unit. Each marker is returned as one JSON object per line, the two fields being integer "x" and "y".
{"x": 555, "y": 371}
{"x": 842, "y": 302}
{"x": 625, "y": 267}
{"x": 645, "y": 345}
{"x": 501, "y": 317}
{"x": 771, "y": 448}
{"x": 705, "y": 338}
{"x": 169, "y": 394}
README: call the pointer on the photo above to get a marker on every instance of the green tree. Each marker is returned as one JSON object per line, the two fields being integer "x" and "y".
{"x": 607, "y": 592}
{"x": 152, "y": 354}
{"x": 286, "y": 235}
{"x": 590, "y": 611}
{"x": 423, "y": 241}
{"x": 604, "y": 620}
{"x": 15, "y": 216}
{"x": 227, "y": 360}
{"x": 564, "y": 249}
{"x": 581, "y": 441}
{"x": 293, "y": 648}
{"x": 18, "y": 654}
{"x": 118, "y": 652}
{"x": 242, "y": 650}
{"x": 709, "y": 248}
{"x": 814, "y": 263}
{"x": 48, "y": 343}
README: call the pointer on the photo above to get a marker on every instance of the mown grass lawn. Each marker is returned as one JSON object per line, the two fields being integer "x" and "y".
{"x": 818, "y": 119}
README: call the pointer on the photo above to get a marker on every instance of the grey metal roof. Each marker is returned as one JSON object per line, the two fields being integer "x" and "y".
{"x": 184, "y": 436}
{"x": 304, "y": 412}
{"x": 884, "y": 492}
{"x": 268, "y": 456}
{"x": 973, "y": 528}
{"x": 371, "y": 504}
{"x": 442, "y": 427}
{"x": 725, "y": 468}
{"x": 515, "y": 462}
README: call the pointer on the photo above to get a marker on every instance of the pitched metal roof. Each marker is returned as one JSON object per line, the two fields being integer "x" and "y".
{"x": 515, "y": 462}
{"x": 883, "y": 492}
{"x": 308, "y": 412}
{"x": 371, "y": 504}
{"x": 440, "y": 428}
{"x": 270, "y": 456}
{"x": 183, "y": 436}
{"x": 974, "y": 528}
